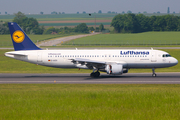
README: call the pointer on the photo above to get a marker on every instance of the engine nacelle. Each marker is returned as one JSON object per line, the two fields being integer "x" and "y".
{"x": 125, "y": 70}
{"x": 114, "y": 69}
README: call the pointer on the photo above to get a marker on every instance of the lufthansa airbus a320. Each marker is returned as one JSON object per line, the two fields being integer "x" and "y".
{"x": 113, "y": 62}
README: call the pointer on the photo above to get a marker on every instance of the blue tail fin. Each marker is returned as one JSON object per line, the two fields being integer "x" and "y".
{"x": 19, "y": 38}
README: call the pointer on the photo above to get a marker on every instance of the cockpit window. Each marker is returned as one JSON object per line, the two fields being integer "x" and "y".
{"x": 166, "y": 55}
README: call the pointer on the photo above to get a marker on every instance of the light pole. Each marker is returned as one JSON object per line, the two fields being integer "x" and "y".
{"x": 94, "y": 21}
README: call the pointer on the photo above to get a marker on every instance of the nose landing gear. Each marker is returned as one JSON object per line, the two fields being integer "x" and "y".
{"x": 154, "y": 74}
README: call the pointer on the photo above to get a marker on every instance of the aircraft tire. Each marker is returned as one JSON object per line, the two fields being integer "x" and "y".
{"x": 92, "y": 74}
{"x": 154, "y": 75}
{"x": 97, "y": 74}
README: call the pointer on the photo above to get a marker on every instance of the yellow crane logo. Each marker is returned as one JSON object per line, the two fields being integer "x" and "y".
{"x": 18, "y": 36}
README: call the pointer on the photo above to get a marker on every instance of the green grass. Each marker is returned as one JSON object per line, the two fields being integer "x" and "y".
{"x": 5, "y": 40}
{"x": 89, "y": 101}
{"x": 147, "y": 38}
{"x": 9, "y": 65}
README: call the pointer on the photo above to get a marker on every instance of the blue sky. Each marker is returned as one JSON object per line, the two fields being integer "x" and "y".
{"x": 90, "y": 6}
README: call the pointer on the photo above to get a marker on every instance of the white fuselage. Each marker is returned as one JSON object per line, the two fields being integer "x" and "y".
{"x": 128, "y": 58}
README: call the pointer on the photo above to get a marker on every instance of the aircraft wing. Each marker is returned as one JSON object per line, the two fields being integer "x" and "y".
{"x": 95, "y": 63}
{"x": 89, "y": 63}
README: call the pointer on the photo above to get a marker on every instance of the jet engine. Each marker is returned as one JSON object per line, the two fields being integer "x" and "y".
{"x": 114, "y": 69}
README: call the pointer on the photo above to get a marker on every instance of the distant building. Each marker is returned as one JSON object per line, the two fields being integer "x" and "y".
{"x": 168, "y": 10}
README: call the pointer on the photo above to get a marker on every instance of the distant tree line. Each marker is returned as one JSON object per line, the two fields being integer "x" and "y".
{"x": 31, "y": 26}
{"x": 81, "y": 28}
{"x": 4, "y": 28}
{"x": 131, "y": 23}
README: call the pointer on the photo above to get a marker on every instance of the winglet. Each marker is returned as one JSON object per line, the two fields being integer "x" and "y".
{"x": 19, "y": 38}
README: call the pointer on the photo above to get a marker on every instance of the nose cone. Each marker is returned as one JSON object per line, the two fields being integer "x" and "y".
{"x": 175, "y": 61}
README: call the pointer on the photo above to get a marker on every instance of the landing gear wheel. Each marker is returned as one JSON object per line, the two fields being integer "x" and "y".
{"x": 92, "y": 74}
{"x": 95, "y": 74}
{"x": 154, "y": 75}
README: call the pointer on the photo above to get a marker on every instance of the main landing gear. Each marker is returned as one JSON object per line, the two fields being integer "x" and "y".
{"x": 154, "y": 74}
{"x": 95, "y": 74}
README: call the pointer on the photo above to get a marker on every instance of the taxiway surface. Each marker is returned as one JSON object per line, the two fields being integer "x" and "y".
{"x": 130, "y": 78}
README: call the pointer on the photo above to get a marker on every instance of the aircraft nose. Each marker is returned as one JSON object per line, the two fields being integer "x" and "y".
{"x": 175, "y": 61}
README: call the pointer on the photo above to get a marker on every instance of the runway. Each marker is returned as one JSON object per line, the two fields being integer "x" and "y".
{"x": 130, "y": 78}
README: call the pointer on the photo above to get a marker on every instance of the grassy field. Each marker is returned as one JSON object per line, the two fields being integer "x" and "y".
{"x": 50, "y": 17}
{"x": 5, "y": 40}
{"x": 9, "y": 65}
{"x": 147, "y": 38}
{"x": 86, "y": 102}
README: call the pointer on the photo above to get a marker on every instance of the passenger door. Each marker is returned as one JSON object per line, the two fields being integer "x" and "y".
{"x": 153, "y": 56}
